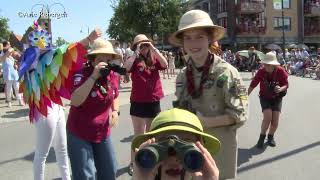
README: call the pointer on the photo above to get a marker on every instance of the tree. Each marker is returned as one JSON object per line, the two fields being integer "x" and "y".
{"x": 4, "y": 29}
{"x": 60, "y": 41}
{"x": 150, "y": 17}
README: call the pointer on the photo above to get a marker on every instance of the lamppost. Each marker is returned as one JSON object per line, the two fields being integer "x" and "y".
{"x": 283, "y": 34}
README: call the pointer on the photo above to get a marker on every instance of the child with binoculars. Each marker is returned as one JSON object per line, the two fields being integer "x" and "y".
{"x": 175, "y": 148}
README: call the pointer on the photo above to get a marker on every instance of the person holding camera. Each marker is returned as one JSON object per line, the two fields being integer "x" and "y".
{"x": 273, "y": 81}
{"x": 10, "y": 73}
{"x": 210, "y": 87}
{"x": 175, "y": 148}
{"x": 146, "y": 93}
{"x": 94, "y": 110}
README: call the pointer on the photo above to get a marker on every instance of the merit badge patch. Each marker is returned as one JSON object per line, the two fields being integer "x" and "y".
{"x": 77, "y": 79}
{"x": 221, "y": 79}
{"x": 93, "y": 94}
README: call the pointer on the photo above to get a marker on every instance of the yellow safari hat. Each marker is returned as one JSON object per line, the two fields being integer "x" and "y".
{"x": 178, "y": 120}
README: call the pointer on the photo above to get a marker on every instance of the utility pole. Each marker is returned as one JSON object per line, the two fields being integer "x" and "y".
{"x": 283, "y": 33}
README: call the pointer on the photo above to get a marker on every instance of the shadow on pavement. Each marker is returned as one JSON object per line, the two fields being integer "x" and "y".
{"x": 127, "y": 139}
{"x": 16, "y": 114}
{"x": 122, "y": 171}
{"x": 278, "y": 157}
{"x": 244, "y": 155}
{"x": 50, "y": 159}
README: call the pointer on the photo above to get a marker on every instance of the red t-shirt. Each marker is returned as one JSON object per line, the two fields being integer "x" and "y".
{"x": 146, "y": 83}
{"x": 90, "y": 121}
{"x": 279, "y": 76}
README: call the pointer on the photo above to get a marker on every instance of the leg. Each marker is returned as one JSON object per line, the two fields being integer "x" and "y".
{"x": 45, "y": 130}
{"x": 81, "y": 158}
{"x": 267, "y": 118}
{"x": 148, "y": 123}
{"x": 273, "y": 128}
{"x": 60, "y": 145}
{"x": 16, "y": 90}
{"x": 267, "y": 115}
{"x": 8, "y": 90}
{"x": 105, "y": 160}
{"x": 139, "y": 127}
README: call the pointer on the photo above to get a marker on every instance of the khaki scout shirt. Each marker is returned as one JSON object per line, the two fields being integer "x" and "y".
{"x": 223, "y": 92}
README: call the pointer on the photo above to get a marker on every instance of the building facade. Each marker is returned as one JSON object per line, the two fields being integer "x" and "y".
{"x": 259, "y": 22}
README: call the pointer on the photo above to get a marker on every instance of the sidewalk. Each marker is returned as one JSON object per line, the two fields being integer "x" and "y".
{"x": 20, "y": 113}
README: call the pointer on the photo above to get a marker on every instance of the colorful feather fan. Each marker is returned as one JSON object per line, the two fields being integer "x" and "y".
{"x": 45, "y": 75}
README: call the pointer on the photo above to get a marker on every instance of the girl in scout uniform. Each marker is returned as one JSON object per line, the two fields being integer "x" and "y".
{"x": 210, "y": 87}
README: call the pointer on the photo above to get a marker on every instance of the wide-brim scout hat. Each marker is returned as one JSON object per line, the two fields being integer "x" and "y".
{"x": 101, "y": 46}
{"x": 138, "y": 39}
{"x": 178, "y": 120}
{"x": 270, "y": 58}
{"x": 196, "y": 19}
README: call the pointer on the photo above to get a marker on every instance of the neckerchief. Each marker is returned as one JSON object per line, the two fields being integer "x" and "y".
{"x": 196, "y": 93}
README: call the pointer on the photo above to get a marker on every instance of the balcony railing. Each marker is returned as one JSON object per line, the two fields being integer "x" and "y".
{"x": 309, "y": 31}
{"x": 251, "y": 7}
{"x": 243, "y": 29}
{"x": 312, "y": 9}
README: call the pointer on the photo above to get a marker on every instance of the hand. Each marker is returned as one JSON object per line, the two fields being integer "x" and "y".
{"x": 96, "y": 33}
{"x": 277, "y": 89}
{"x": 139, "y": 173}
{"x": 96, "y": 72}
{"x": 114, "y": 119}
{"x": 209, "y": 170}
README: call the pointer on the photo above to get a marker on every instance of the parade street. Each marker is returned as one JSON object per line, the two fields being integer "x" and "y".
{"x": 296, "y": 156}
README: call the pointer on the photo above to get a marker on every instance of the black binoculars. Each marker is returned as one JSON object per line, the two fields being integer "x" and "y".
{"x": 187, "y": 153}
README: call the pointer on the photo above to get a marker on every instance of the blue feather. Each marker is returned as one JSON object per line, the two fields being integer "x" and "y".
{"x": 28, "y": 58}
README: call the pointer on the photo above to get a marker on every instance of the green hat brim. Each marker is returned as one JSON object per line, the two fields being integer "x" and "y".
{"x": 211, "y": 143}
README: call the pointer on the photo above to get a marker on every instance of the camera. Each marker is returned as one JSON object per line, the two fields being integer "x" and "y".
{"x": 105, "y": 71}
{"x": 187, "y": 153}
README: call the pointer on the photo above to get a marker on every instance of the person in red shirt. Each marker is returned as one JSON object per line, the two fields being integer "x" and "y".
{"x": 146, "y": 93}
{"x": 94, "y": 110}
{"x": 273, "y": 81}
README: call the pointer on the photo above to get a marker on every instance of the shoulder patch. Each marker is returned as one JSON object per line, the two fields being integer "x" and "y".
{"x": 221, "y": 79}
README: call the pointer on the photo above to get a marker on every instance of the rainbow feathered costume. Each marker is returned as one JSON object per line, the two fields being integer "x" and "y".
{"x": 45, "y": 75}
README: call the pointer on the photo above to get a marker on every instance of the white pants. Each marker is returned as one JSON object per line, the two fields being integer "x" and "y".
{"x": 8, "y": 91}
{"x": 51, "y": 130}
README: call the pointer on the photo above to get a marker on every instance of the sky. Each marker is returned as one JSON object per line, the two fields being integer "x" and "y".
{"x": 80, "y": 15}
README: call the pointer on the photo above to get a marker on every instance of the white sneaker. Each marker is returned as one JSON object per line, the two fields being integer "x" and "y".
{"x": 9, "y": 105}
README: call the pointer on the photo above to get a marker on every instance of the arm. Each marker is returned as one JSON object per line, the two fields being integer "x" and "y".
{"x": 115, "y": 105}
{"x": 255, "y": 81}
{"x": 162, "y": 60}
{"x": 7, "y": 54}
{"x": 82, "y": 92}
{"x": 129, "y": 62}
{"x": 96, "y": 33}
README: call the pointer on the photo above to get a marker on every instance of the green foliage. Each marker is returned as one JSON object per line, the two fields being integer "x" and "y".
{"x": 60, "y": 41}
{"x": 4, "y": 29}
{"x": 150, "y": 17}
